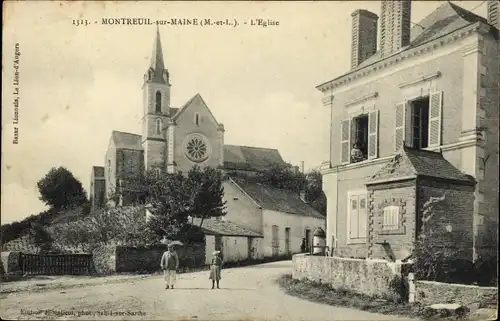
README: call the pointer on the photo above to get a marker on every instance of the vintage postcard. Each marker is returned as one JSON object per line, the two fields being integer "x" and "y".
{"x": 249, "y": 160}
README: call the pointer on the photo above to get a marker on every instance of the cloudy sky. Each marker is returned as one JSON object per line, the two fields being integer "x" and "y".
{"x": 78, "y": 83}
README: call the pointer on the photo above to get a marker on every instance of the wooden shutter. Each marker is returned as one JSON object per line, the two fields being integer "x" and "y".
{"x": 345, "y": 141}
{"x": 353, "y": 217}
{"x": 435, "y": 109}
{"x": 362, "y": 216}
{"x": 373, "y": 134}
{"x": 399, "y": 129}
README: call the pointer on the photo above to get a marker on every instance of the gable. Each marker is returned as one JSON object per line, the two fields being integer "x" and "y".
{"x": 196, "y": 105}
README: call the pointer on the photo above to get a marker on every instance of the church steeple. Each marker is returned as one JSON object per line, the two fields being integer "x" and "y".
{"x": 157, "y": 72}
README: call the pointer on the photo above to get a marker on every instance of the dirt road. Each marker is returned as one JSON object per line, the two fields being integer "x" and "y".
{"x": 248, "y": 293}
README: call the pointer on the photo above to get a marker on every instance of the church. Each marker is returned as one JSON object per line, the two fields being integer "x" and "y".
{"x": 175, "y": 139}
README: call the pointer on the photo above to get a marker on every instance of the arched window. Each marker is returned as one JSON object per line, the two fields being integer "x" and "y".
{"x": 197, "y": 119}
{"x": 158, "y": 102}
{"x": 158, "y": 126}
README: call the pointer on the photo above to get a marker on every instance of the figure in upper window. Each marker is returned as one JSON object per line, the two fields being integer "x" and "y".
{"x": 357, "y": 153}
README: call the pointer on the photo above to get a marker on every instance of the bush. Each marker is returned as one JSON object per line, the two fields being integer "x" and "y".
{"x": 485, "y": 271}
{"x": 399, "y": 289}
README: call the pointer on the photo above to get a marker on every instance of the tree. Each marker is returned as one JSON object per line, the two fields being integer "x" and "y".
{"x": 206, "y": 193}
{"x": 314, "y": 191}
{"x": 60, "y": 189}
{"x": 282, "y": 176}
{"x": 40, "y": 237}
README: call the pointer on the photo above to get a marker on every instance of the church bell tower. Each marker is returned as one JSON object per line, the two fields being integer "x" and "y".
{"x": 156, "y": 115}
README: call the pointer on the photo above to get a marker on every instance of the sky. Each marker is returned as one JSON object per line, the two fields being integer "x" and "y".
{"x": 78, "y": 83}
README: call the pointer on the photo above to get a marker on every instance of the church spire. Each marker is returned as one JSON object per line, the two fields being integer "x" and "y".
{"x": 157, "y": 71}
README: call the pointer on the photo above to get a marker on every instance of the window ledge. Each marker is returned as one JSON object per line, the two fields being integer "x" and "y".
{"x": 400, "y": 231}
{"x": 357, "y": 241}
{"x": 368, "y": 162}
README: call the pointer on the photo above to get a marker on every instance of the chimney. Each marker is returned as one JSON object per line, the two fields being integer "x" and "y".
{"x": 302, "y": 167}
{"x": 395, "y": 25}
{"x": 494, "y": 13}
{"x": 364, "y": 36}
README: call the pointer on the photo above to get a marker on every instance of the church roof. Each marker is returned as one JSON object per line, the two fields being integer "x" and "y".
{"x": 126, "y": 140}
{"x": 275, "y": 199}
{"x": 444, "y": 20}
{"x": 411, "y": 163}
{"x": 250, "y": 158}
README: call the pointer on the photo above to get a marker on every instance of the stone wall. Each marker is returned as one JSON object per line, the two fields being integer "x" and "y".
{"x": 104, "y": 258}
{"x": 370, "y": 277}
{"x": 428, "y": 292}
{"x": 147, "y": 259}
{"x": 11, "y": 262}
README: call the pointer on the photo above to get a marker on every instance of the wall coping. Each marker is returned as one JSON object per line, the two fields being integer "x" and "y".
{"x": 470, "y": 286}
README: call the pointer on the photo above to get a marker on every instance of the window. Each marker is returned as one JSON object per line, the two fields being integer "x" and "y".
{"x": 391, "y": 218}
{"x": 360, "y": 138}
{"x": 158, "y": 102}
{"x": 357, "y": 216}
{"x": 275, "y": 240}
{"x": 158, "y": 126}
{"x": 197, "y": 119}
{"x": 420, "y": 123}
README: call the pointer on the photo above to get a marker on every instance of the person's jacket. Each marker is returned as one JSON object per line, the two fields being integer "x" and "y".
{"x": 170, "y": 261}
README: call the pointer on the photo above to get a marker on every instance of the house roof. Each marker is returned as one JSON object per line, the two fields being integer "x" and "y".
{"x": 98, "y": 171}
{"x": 444, "y": 20}
{"x": 416, "y": 162}
{"x": 227, "y": 228}
{"x": 126, "y": 140}
{"x": 248, "y": 158}
{"x": 276, "y": 199}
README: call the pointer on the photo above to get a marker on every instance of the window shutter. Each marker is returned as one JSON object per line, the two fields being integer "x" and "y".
{"x": 353, "y": 217}
{"x": 435, "y": 108}
{"x": 362, "y": 217}
{"x": 399, "y": 129}
{"x": 373, "y": 134}
{"x": 345, "y": 143}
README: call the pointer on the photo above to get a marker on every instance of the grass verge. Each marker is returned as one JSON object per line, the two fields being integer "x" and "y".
{"x": 325, "y": 294}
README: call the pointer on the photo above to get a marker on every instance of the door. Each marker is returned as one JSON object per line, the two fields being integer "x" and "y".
{"x": 287, "y": 241}
{"x": 275, "y": 241}
{"x": 308, "y": 240}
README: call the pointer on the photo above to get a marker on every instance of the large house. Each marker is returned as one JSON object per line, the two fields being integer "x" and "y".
{"x": 414, "y": 118}
{"x": 260, "y": 221}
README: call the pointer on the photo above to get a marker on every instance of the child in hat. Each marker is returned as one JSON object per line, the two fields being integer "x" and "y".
{"x": 215, "y": 268}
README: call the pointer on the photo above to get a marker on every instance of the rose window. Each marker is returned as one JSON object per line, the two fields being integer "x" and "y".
{"x": 197, "y": 149}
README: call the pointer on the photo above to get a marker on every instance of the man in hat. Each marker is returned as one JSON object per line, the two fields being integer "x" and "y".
{"x": 170, "y": 264}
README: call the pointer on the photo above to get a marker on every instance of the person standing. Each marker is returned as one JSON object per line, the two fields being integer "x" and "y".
{"x": 215, "y": 269}
{"x": 170, "y": 264}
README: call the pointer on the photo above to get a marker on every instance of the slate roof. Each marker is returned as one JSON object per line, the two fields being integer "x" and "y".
{"x": 98, "y": 171}
{"x": 414, "y": 162}
{"x": 446, "y": 19}
{"x": 227, "y": 228}
{"x": 126, "y": 140}
{"x": 276, "y": 199}
{"x": 248, "y": 158}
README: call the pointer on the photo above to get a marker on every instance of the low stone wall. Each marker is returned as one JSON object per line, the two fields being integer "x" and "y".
{"x": 104, "y": 258}
{"x": 428, "y": 292}
{"x": 370, "y": 277}
{"x": 147, "y": 259}
{"x": 11, "y": 262}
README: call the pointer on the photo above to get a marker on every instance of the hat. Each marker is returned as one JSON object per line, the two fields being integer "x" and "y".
{"x": 215, "y": 252}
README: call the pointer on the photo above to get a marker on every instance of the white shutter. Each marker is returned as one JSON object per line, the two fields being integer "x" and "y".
{"x": 399, "y": 129}
{"x": 362, "y": 217}
{"x": 353, "y": 217}
{"x": 435, "y": 107}
{"x": 373, "y": 134}
{"x": 345, "y": 141}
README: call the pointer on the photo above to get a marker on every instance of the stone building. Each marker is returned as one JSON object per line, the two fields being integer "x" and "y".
{"x": 260, "y": 221}
{"x": 434, "y": 88}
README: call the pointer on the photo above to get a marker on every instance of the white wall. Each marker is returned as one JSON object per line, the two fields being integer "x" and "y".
{"x": 235, "y": 248}
{"x": 297, "y": 224}
{"x": 209, "y": 248}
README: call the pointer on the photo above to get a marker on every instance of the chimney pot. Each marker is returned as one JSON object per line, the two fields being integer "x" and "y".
{"x": 494, "y": 13}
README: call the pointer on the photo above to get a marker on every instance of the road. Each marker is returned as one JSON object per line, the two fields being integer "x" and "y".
{"x": 247, "y": 293}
